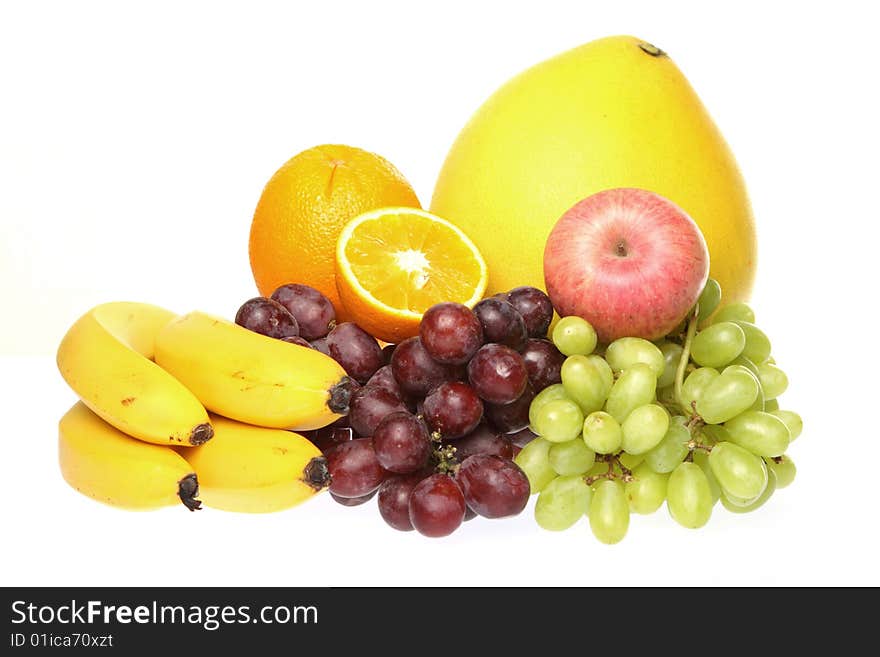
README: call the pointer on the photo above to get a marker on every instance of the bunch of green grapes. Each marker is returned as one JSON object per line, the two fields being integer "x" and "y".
{"x": 690, "y": 420}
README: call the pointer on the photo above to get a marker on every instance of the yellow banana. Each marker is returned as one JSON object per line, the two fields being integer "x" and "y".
{"x": 105, "y": 357}
{"x": 113, "y": 468}
{"x": 256, "y": 470}
{"x": 252, "y": 378}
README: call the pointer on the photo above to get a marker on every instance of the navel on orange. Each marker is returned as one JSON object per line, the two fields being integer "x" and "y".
{"x": 394, "y": 263}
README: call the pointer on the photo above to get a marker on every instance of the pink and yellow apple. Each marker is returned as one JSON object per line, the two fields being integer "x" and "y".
{"x": 629, "y": 261}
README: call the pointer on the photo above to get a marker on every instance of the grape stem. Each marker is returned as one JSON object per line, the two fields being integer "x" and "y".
{"x": 625, "y": 475}
{"x": 693, "y": 444}
{"x": 685, "y": 358}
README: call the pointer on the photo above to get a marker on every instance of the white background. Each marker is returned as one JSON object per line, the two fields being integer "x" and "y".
{"x": 135, "y": 141}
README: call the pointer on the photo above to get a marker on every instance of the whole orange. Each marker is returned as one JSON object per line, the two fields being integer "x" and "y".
{"x": 304, "y": 207}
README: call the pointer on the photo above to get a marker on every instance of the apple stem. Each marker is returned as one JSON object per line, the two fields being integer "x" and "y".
{"x": 684, "y": 359}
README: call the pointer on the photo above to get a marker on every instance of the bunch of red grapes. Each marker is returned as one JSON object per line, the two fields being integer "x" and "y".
{"x": 436, "y": 420}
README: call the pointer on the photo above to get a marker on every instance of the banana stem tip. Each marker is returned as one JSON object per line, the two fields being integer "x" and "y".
{"x": 188, "y": 490}
{"x": 201, "y": 434}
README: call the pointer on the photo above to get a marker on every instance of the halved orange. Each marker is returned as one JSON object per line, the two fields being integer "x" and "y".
{"x": 392, "y": 264}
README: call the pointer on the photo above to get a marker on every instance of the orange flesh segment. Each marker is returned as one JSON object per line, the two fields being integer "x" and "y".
{"x": 410, "y": 262}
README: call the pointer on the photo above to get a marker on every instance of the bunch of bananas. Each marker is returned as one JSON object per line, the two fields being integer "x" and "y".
{"x": 174, "y": 408}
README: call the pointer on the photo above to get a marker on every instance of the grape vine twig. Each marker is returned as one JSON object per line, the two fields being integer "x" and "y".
{"x": 684, "y": 359}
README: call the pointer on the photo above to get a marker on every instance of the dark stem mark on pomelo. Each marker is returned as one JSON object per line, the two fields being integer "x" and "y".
{"x": 188, "y": 490}
{"x": 316, "y": 473}
{"x": 201, "y": 434}
{"x": 651, "y": 49}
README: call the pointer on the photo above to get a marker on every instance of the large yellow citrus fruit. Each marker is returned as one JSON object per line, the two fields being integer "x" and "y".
{"x": 304, "y": 207}
{"x": 615, "y": 112}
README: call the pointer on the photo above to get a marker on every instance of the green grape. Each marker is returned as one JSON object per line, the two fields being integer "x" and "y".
{"x": 604, "y": 370}
{"x": 602, "y": 433}
{"x": 574, "y": 335}
{"x": 761, "y": 433}
{"x": 739, "y": 472}
{"x": 666, "y": 396}
{"x": 586, "y": 381}
{"x": 773, "y": 380}
{"x": 733, "y": 392}
{"x": 714, "y": 433}
{"x": 718, "y": 344}
{"x": 644, "y": 428}
{"x": 792, "y": 420}
{"x": 646, "y": 491}
{"x": 757, "y": 347}
{"x": 534, "y": 460}
{"x": 563, "y": 502}
{"x": 696, "y": 382}
{"x": 701, "y": 458}
{"x": 670, "y": 451}
{"x": 771, "y": 405}
{"x": 671, "y": 355}
{"x": 784, "y": 469}
{"x": 635, "y": 387}
{"x": 626, "y": 352}
{"x": 630, "y": 461}
{"x": 745, "y": 362}
{"x": 559, "y": 421}
{"x": 609, "y": 512}
{"x": 758, "y": 404}
{"x": 709, "y": 299}
{"x": 736, "y": 505}
{"x": 735, "y": 312}
{"x": 600, "y": 468}
{"x": 571, "y": 458}
{"x": 548, "y": 394}
{"x": 688, "y": 496}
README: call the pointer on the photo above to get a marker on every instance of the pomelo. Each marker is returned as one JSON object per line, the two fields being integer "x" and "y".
{"x": 616, "y": 112}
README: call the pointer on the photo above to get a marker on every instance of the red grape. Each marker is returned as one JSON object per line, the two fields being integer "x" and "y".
{"x": 452, "y": 409}
{"x": 387, "y": 352}
{"x": 312, "y": 310}
{"x": 502, "y": 324}
{"x": 469, "y": 513}
{"x": 451, "y": 333}
{"x": 522, "y": 438}
{"x": 436, "y": 506}
{"x": 321, "y": 345}
{"x": 510, "y": 418}
{"x": 394, "y": 494}
{"x": 494, "y": 487}
{"x": 356, "y": 350}
{"x": 354, "y": 469}
{"x": 402, "y": 443}
{"x": 482, "y": 440}
{"x": 543, "y": 363}
{"x": 415, "y": 370}
{"x": 328, "y": 437}
{"x": 535, "y": 307}
{"x": 369, "y": 406}
{"x": 270, "y": 318}
{"x": 295, "y": 339}
{"x": 353, "y": 501}
{"x": 498, "y": 374}
{"x": 384, "y": 378}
